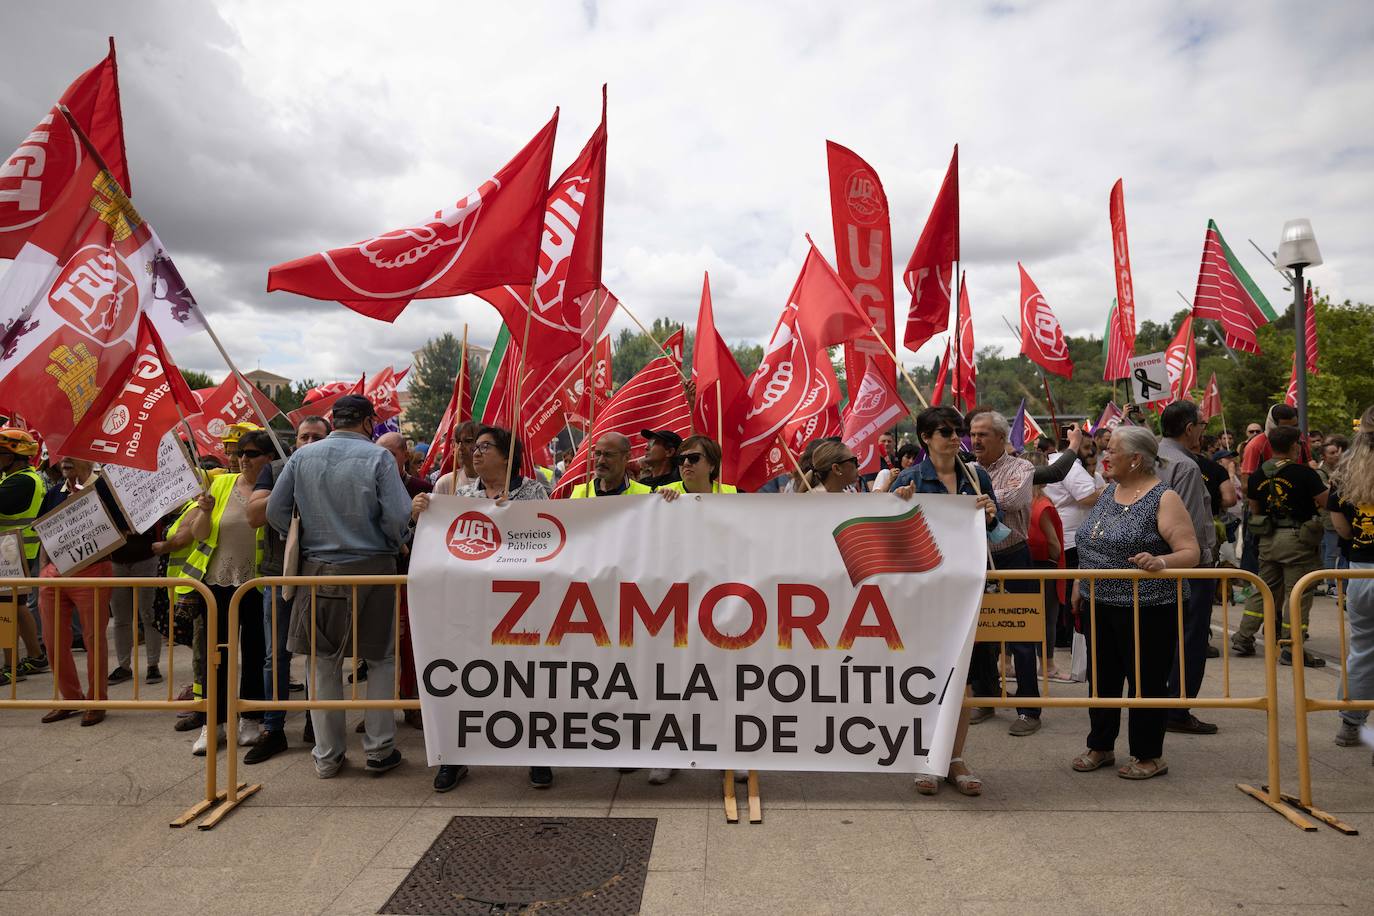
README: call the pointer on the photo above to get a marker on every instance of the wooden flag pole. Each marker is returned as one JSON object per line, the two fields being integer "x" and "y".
{"x": 591, "y": 375}
{"x": 662, "y": 349}
{"x": 519, "y": 386}
{"x": 795, "y": 466}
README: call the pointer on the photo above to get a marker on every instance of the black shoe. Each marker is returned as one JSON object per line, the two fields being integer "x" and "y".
{"x": 1191, "y": 726}
{"x": 449, "y": 775}
{"x": 154, "y": 675}
{"x": 37, "y": 664}
{"x": 268, "y": 745}
{"x": 294, "y": 687}
{"x": 1244, "y": 650}
{"x": 1213, "y": 651}
{"x": 308, "y": 733}
{"x": 78, "y": 644}
{"x": 119, "y": 675}
{"x": 541, "y": 777}
{"x": 1308, "y": 659}
{"x": 193, "y": 722}
{"x": 389, "y": 762}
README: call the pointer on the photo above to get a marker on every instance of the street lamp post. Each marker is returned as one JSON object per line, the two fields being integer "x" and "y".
{"x": 1298, "y": 249}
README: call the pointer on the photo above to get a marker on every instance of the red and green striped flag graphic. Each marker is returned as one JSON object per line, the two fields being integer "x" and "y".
{"x": 874, "y": 545}
{"x": 1225, "y": 293}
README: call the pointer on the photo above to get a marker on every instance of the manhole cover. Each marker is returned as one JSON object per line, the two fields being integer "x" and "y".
{"x": 562, "y": 865}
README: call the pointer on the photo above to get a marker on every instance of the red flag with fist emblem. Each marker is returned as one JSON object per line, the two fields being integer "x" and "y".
{"x": 1042, "y": 339}
{"x": 487, "y": 239}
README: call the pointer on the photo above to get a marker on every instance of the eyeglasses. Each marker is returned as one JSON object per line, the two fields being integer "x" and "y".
{"x": 251, "y": 453}
{"x": 689, "y": 458}
{"x": 600, "y": 453}
{"x": 949, "y": 432}
{"x": 484, "y": 447}
{"x": 848, "y": 460}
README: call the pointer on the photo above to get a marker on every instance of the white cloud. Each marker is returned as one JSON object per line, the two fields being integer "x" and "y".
{"x": 262, "y": 132}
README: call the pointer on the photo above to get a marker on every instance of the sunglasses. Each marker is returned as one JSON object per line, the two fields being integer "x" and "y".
{"x": 689, "y": 458}
{"x": 851, "y": 459}
{"x": 949, "y": 432}
{"x": 250, "y": 453}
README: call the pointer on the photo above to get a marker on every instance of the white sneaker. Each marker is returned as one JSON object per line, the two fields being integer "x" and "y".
{"x": 658, "y": 777}
{"x": 203, "y": 741}
{"x": 249, "y": 732}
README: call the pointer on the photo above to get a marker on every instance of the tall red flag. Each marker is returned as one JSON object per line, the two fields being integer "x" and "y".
{"x": 965, "y": 373}
{"x": 873, "y": 409}
{"x": 1121, "y": 260}
{"x": 652, "y": 399}
{"x": 1225, "y": 293}
{"x": 1180, "y": 359}
{"x": 381, "y": 391}
{"x": 863, "y": 257}
{"x": 1290, "y": 395}
{"x": 1311, "y": 334}
{"x": 1211, "y": 399}
{"x": 795, "y": 379}
{"x": 569, "y": 259}
{"x": 720, "y": 382}
{"x": 1042, "y": 339}
{"x": 35, "y": 174}
{"x": 487, "y": 239}
{"x": 1116, "y": 352}
{"x": 458, "y": 411}
{"x": 929, "y": 273}
{"x": 134, "y": 410}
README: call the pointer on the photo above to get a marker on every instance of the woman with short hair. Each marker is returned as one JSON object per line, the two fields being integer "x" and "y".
{"x": 698, "y": 461}
{"x": 1137, "y": 523}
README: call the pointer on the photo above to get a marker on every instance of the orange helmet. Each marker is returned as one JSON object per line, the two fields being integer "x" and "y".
{"x": 18, "y": 441}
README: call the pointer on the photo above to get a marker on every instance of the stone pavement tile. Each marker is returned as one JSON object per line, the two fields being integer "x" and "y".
{"x": 47, "y": 786}
{"x": 687, "y": 789}
{"x": 679, "y": 837}
{"x": 1029, "y": 907}
{"x": 916, "y": 890}
{"x": 210, "y": 891}
{"x": 1016, "y": 789}
{"x": 419, "y": 832}
{"x": 853, "y": 791}
{"x": 30, "y": 834}
{"x": 796, "y": 893}
{"x": 1323, "y": 854}
{"x": 364, "y": 895}
{"x": 991, "y": 855}
{"x": 792, "y": 842}
{"x": 778, "y": 789}
{"x": 506, "y": 787}
{"x": 1205, "y": 890}
{"x": 58, "y": 899}
{"x": 669, "y": 893}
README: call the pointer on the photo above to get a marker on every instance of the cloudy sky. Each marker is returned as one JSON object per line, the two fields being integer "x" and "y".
{"x": 260, "y": 132}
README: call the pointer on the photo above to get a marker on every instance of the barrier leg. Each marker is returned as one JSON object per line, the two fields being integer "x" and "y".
{"x": 212, "y": 793}
{"x": 731, "y": 808}
{"x": 235, "y": 791}
{"x": 755, "y": 806}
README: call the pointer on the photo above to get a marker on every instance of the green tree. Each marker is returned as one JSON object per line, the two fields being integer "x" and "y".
{"x": 197, "y": 380}
{"x": 633, "y": 350}
{"x": 431, "y": 383}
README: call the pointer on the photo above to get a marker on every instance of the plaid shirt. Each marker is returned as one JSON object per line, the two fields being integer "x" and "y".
{"x": 1012, "y": 483}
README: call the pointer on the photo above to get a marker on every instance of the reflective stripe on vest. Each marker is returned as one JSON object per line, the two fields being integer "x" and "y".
{"x": 26, "y": 519}
{"x": 197, "y": 560}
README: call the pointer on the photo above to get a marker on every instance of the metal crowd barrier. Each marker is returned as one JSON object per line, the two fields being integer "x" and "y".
{"x": 1303, "y": 705}
{"x": 103, "y": 585}
{"x": 1268, "y": 795}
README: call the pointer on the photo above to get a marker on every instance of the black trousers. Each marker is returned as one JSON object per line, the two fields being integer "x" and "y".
{"x": 252, "y": 647}
{"x": 1197, "y": 627}
{"x": 1114, "y": 637}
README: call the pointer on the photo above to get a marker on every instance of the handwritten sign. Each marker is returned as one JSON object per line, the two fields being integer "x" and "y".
{"x": 146, "y": 496}
{"x": 78, "y": 533}
{"x": 1149, "y": 378}
{"x": 1010, "y": 617}
{"x": 12, "y": 564}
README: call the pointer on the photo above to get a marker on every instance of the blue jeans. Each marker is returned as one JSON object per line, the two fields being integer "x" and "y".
{"x": 278, "y": 664}
{"x": 1359, "y": 621}
{"x": 1331, "y": 554}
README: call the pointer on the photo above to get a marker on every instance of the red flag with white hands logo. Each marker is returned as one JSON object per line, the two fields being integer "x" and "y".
{"x": 1211, "y": 399}
{"x": 929, "y": 273}
{"x": 652, "y": 399}
{"x": 875, "y": 408}
{"x": 1042, "y": 339}
{"x": 964, "y": 381}
{"x": 484, "y": 240}
{"x": 1121, "y": 262}
{"x": 719, "y": 408}
{"x": 863, "y": 256}
{"x": 569, "y": 259}
{"x": 34, "y": 175}
{"x": 137, "y": 407}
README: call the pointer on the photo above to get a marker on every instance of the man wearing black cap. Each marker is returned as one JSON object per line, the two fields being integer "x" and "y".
{"x": 355, "y": 515}
{"x": 660, "y": 464}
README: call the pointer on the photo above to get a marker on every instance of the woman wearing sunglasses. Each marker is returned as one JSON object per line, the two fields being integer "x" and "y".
{"x": 834, "y": 468}
{"x": 698, "y": 461}
{"x": 227, "y": 553}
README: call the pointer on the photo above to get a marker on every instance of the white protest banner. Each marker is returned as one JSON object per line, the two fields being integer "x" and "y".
{"x": 721, "y": 632}
{"x": 1149, "y": 378}
{"x": 78, "y": 533}
{"x": 12, "y": 564}
{"x": 146, "y": 496}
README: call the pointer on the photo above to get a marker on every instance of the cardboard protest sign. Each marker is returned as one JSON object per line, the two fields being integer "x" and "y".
{"x": 78, "y": 533}
{"x": 146, "y": 496}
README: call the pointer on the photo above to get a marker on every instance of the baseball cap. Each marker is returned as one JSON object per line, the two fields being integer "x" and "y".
{"x": 353, "y": 407}
{"x": 669, "y": 438}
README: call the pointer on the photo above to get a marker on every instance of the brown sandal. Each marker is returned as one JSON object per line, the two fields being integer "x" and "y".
{"x": 1084, "y": 763}
{"x": 1134, "y": 770}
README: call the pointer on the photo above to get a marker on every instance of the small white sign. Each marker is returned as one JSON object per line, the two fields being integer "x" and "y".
{"x": 12, "y": 564}
{"x": 146, "y": 496}
{"x": 1149, "y": 378}
{"x": 78, "y": 533}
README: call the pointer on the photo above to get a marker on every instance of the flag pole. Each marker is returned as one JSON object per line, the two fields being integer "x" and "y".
{"x": 519, "y": 385}
{"x": 795, "y": 466}
{"x": 720, "y": 420}
{"x": 462, "y": 377}
{"x": 591, "y": 374}
{"x": 1049, "y": 399}
{"x": 660, "y": 346}
{"x": 957, "y": 353}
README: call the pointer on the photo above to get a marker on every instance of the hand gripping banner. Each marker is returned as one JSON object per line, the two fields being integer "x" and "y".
{"x": 720, "y": 632}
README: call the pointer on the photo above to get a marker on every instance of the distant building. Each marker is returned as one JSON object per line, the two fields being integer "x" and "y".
{"x": 269, "y": 382}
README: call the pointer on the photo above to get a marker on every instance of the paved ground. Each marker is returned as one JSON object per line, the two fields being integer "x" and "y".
{"x": 84, "y": 813}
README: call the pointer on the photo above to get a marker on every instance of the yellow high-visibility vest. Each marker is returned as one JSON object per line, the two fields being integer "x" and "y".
{"x": 588, "y": 490}
{"x": 24, "y": 520}
{"x": 716, "y": 487}
{"x": 197, "y": 561}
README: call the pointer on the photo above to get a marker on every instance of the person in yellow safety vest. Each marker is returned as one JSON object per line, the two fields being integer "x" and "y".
{"x": 230, "y": 438}
{"x": 225, "y": 554}
{"x": 609, "y": 457}
{"x": 698, "y": 459}
{"x": 21, "y": 495}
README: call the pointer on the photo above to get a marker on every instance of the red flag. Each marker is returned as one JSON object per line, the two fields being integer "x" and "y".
{"x": 795, "y": 379}
{"x": 720, "y": 384}
{"x": 1042, "y": 339}
{"x": 36, "y": 173}
{"x": 569, "y": 259}
{"x": 1225, "y": 293}
{"x": 1180, "y": 359}
{"x": 1121, "y": 260}
{"x": 1211, "y": 399}
{"x": 488, "y": 239}
{"x": 1311, "y": 333}
{"x": 930, "y": 272}
{"x": 863, "y": 257}
{"x": 320, "y": 406}
{"x": 226, "y": 404}
{"x": 1116, "y": 353}
{"x": 875, "y": 408}
{"x": 458, "y": 411}
{"x": 133, "y": 411}
{"x": 653, "y": 399}
{"x": 941, "y": 377}
{"x": 965, "y": 377}
{"x": 381, "y": 391}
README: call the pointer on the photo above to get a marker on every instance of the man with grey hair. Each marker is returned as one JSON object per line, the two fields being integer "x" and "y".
{"x": 1182, "y": 426}
{"x": 1012, "y": 483}
{"x": 609, "y": 456}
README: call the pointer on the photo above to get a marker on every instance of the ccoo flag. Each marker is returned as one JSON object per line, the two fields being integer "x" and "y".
{"x": 929, "y": 273}
{"x": 1042, "y": 339}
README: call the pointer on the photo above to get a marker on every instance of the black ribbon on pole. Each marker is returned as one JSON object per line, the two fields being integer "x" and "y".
{"x": 1146, "y": 383}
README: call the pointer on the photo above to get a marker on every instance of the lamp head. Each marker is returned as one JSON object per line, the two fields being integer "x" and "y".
{"x": 1298, "y": 247}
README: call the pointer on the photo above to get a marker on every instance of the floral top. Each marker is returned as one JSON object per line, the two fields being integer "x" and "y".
{"x": 1112, "y": 534}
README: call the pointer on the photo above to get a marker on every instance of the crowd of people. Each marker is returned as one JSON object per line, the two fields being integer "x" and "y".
{"x": 346, "y": 503}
